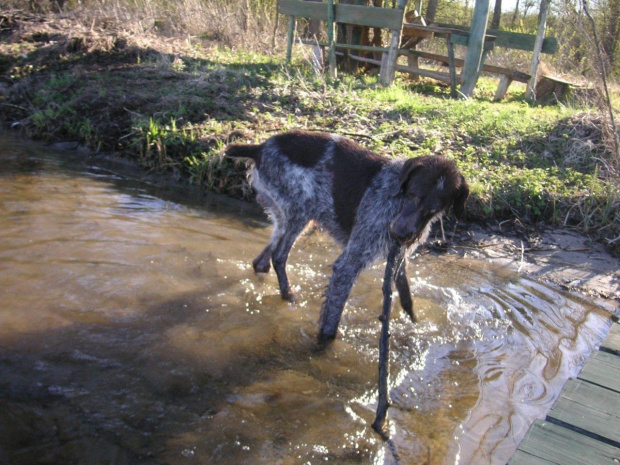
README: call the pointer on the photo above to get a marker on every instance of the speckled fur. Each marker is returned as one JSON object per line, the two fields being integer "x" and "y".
{"x": 297, "y": 188}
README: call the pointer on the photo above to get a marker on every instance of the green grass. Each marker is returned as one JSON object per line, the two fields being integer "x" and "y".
{"x": 177, "y": 112}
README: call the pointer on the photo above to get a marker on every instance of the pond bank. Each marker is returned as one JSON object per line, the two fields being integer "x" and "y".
{"x": 559, "y": 256}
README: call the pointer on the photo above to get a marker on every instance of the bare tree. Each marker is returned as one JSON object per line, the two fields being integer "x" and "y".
{"x": 497, "y": 14}
{"x": 431, "y": 11}
{"x": 514, "y": 15}
{"x": 610, "y": 33}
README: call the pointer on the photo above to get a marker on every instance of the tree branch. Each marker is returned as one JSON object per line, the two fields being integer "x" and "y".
{"x": 384, "y": 343}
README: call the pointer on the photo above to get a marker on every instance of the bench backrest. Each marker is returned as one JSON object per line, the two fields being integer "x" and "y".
{"x": 514, "y": 40}
{"x": 385, "y": 18}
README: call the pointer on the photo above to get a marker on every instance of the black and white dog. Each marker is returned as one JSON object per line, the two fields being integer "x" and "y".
{"x": 364, "y": 200}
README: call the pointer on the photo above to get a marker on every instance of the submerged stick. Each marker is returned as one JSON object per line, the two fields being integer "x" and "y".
{"x": 384, "y": 344}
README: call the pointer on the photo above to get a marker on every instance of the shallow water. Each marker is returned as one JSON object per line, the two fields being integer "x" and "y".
{"x": 133, "y": 330}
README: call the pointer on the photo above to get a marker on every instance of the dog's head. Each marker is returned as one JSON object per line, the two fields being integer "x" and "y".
{"x": 430, "y": 186}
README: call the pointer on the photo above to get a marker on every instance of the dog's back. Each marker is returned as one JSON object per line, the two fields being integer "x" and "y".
{"x": 327, "y": 174}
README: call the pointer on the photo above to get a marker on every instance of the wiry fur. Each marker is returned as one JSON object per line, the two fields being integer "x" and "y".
{"x": 363, "y": 200}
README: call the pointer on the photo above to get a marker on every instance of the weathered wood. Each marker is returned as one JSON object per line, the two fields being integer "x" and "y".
{"x": 414, "y": 63}
{"x": 387, "y": 73}
{"x": 514, "y": 40}
{"x": 502, "y": 87}
{"x": 291, "y": 36}
{"x": 611, "y": 343}
{"x": 589, "y": 409}
{"x": 452, "y": 68}
{"x": 385, "y": 18}
{"x": 331, "y": 57}
{"x": 602, "y": 369}
{"x": 549, "y": 444}
{"x": 438, "y": 76}
{"x": 302, "y": 9}
{"x": 540, "y": 36}
{"x": 511, "y": 73}
{"x": 473, "y": 56}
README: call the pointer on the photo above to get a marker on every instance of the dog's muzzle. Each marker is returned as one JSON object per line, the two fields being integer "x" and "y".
{"x": 402, "y": 234}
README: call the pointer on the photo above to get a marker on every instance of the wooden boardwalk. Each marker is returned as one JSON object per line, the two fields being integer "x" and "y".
{"x": 583, "y": 426}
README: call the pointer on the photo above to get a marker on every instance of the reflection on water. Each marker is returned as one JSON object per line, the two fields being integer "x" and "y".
{"x": 133, "y": 330}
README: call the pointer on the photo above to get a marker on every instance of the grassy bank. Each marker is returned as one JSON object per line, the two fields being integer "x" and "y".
{"x": 172, "y": 104}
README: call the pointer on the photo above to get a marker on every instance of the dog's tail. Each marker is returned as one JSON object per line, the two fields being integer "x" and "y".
{"x": 253, "y": 152}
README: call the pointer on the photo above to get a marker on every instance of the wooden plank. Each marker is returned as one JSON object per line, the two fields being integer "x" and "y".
{"x": 385, "y": 18}
{"x": 611, "y": 343}
{"x": 473, "y": 55}
{"x": 299, "y": 8}
{"x": 589, "y": 409}
{"x": 459, "y": 39}
{"x": 515, "y": 40}
{"x": 546, "y": 444}
{"x": 602, "y": 369}
{"x": 443, "y": 77}
{"x": 511, "y": 73}
{"x": 523, "y": 41}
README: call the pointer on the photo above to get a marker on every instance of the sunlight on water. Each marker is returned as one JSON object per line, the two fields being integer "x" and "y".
{"x": 134, "y": 330}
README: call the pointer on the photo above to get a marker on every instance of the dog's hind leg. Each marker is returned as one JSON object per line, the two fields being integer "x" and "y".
{"x": 402, "y": 285}
{"x": 280, "y": 253}
{"x": 261, "y": 263}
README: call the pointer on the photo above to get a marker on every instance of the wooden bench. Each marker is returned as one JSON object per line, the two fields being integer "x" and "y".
{"x": 356, "y": 15}
{"x": 505, "y": 39}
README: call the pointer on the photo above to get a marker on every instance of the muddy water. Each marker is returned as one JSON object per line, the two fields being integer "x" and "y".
{"x": 133, "y": 330}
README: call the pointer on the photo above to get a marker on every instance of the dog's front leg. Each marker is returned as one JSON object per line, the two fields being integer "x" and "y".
{"x": 402, "y": 285}
{"x": 345, "y": 270}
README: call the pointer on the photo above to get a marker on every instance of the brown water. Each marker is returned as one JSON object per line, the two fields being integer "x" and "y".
{"x": 133, "y": 330}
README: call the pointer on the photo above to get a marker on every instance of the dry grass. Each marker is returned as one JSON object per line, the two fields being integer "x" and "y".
{"x": 227, "y": 22}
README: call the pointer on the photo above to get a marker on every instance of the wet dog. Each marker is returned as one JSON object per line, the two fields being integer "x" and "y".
{"x": 363, "y": 200}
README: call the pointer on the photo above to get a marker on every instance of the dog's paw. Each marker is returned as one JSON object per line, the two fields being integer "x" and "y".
{"x": 261, "y": 267}
{"x": 412, "y": 316}
{"x": 289, "y": 295}
{"x": 325, "y": 340}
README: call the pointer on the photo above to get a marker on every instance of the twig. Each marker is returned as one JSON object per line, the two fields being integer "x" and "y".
{"x": 384, "y": 344}
{"x": 521, "y": 262}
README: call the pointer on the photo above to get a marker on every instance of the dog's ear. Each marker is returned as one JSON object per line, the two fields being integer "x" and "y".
{"x": 460, "y": 199}
{"x": 410, "y": 167}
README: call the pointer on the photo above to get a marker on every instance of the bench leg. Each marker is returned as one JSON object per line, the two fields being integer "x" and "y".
{"x": 413, "y": 62}
{"x": 504, "y": 82}
{"x": 291, "y": 36}
{"x": 452, "y": 66}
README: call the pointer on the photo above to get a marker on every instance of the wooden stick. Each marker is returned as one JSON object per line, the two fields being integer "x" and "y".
{"x": 384, "y": 344}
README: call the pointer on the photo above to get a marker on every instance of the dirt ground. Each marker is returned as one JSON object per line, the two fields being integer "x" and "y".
{"x": 559, "y": 256}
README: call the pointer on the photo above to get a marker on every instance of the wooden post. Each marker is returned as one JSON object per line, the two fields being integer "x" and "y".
{"x": 475, "y": 45}
{"x": 452, "y": 67}
{"x": 504, "y": 82}
{"x": 291, "y": 37}
{"x": 387, "y": 73}
{"x": 540, "y": 36}
{"x": 330, "y": 39}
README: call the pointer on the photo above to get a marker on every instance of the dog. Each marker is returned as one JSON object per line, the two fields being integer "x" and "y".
{"x": 363, "y": 200}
